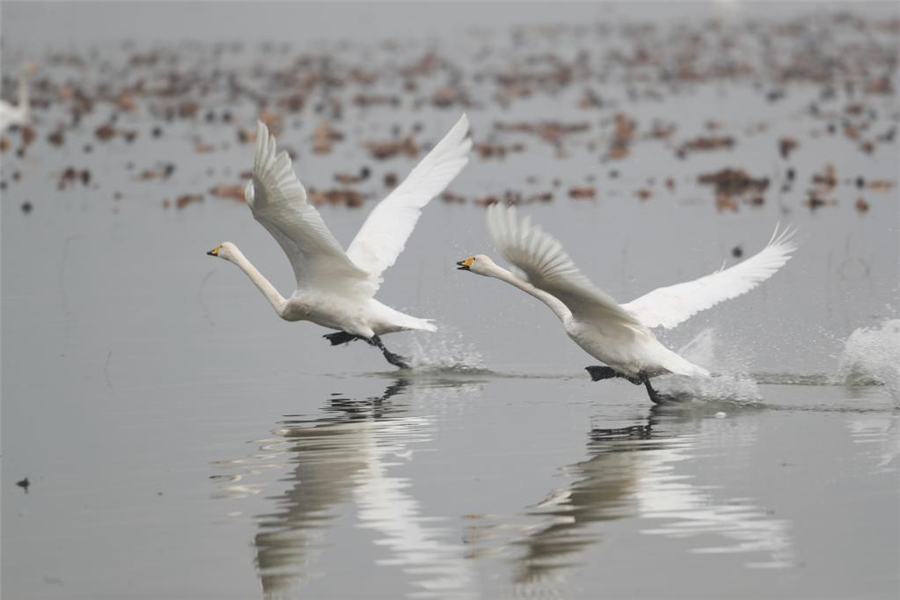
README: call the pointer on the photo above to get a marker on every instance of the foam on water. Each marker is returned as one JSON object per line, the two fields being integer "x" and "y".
{"x": 730, "y": 380}
{"x": 871, "y": 355}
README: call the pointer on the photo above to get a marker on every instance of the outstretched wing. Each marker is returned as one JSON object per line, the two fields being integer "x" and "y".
{"x": 547, "y": 266}
{"x": 669, "y": 306}
{"x": 383, "y": 236}
{"x": 279, "y": 203}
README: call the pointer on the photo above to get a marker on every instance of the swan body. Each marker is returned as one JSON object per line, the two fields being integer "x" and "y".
{"x": 637, "y": 351}
{"x": 619, "y": 335}
{"x": 20, "y": 113}
{"x": 336, "y": 288}
{"x": 364, "y": 318}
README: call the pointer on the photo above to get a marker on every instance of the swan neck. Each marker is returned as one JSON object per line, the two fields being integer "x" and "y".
{"x": 275, "y": 299}
{"x": 556, "y": 305}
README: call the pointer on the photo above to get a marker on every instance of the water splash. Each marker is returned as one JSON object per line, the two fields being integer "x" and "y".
{"x": 730, "y": 381}
{"x": 446, "y": 351}
{"x": 872, "y": 356}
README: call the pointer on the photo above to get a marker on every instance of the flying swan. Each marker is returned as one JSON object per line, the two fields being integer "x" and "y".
{"x": 336, "y": 289}
{"x": 617, "y": 334}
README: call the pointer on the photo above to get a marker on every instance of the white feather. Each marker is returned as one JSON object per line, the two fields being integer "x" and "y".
{"x": 547, "y": 266}
{"x": 669, "y": 306}
{"x": 278, "y": 201}
{"x": 383, "y": 236}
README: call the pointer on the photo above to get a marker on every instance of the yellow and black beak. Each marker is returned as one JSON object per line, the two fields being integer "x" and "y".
{"x": 465, "y": 264}
{"x": 214, "y": 251}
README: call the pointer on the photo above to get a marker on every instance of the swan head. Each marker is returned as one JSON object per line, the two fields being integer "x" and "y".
{"x": 478, "y": 264}
{"x": 225, "y": 250}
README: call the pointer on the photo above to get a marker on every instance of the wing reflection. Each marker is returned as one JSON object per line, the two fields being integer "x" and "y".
{"x": 344, "y": 460}
{"x": 721, "y": 523}
{"x": 633, "y": 472}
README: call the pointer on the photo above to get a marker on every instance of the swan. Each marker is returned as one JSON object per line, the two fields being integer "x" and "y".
{"x": 17, "y": 114}
{"x": 336, "y": 289}
{"x": 618, "y": 335}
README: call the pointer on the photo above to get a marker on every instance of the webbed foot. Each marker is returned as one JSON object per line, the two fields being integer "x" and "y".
{"x": 599, "y": 373}
{"x": 398, "y": 361}
{"x": 395, "y": 359}
{"x": 655, "y": 396}
{"x": 341, "y": 337}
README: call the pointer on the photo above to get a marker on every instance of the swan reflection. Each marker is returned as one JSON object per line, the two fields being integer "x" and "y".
{"x": 633, "y": 472}
{"x": 343, "y": 460}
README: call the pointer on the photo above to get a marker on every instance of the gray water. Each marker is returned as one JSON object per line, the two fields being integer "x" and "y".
{"x": 182, "y": 442}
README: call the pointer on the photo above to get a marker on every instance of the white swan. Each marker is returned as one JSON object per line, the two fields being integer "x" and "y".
{"x": 17, "y": 114}
{"x": 336, "y": 289}
{"x": 618, "y": 335}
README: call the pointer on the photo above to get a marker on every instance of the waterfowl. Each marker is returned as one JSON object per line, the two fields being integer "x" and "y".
{"x": 336, "y": 288}
{"x": 619, "y": 335}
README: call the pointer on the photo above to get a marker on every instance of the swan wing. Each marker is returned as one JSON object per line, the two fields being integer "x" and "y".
{"x": 278, "y": 201}
{"x": 669, "y": 306}
{"x": 547, "y": 267}
{"x": 383, "y": 236}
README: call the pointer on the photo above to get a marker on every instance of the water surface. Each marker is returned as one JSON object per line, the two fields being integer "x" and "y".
{"x": 180, "y": 441}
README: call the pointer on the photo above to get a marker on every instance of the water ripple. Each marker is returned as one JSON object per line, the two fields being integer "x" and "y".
{"x": 633, "y": 472}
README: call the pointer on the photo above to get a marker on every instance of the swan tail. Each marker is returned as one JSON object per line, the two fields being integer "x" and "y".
{"x": 405, "y": 322}
{"x": 415, "y": 323}
{"x": 390, "y": 320}
{"x": 681, "y": 366}
{"x": 424, "y": 325}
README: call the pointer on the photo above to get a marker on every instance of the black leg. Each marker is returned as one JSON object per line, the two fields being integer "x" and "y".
{"x": 599, "y": 373}
{"x": 655, "y": 396}
{"x": 394, "y": 359}
{"x": 341, "y": 337}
